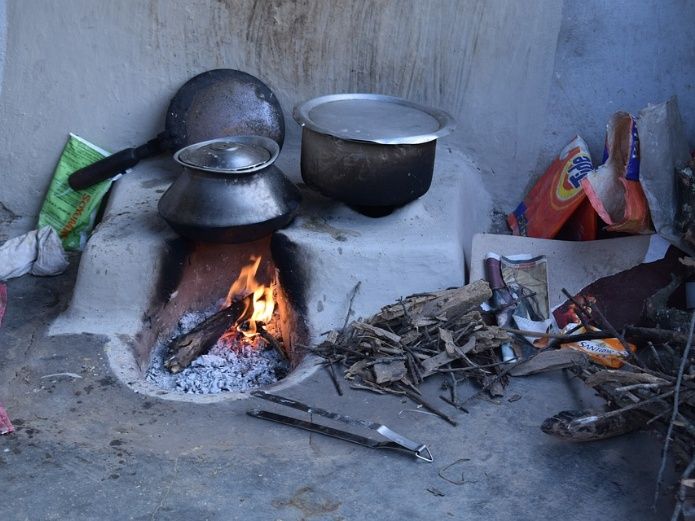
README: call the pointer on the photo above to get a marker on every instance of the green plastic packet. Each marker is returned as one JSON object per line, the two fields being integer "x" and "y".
{"x": 70, "y": 213}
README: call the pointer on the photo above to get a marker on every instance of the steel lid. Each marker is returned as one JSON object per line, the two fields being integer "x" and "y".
{"x": 236, "y": 154}
{"x": 373, "y": 118}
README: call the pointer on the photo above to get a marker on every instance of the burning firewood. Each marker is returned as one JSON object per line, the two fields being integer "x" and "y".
{"x": 243, "y": 317}
{"x": 187, "y": 347}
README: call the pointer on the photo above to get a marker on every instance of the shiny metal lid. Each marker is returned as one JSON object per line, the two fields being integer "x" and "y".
{"x": 236, "y": 154}
{"x": 373, "y": 118}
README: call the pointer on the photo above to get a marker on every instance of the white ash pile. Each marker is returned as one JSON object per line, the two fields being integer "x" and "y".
{"x": 230, "y": 365}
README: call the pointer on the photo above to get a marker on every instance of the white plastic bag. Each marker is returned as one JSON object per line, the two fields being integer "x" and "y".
{"x": 39, "y": 252}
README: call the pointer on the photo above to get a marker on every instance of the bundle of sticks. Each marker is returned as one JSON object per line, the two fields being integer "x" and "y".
{"x": 442, "y": 332}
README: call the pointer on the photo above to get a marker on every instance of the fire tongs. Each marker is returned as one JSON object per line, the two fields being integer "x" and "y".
{"x": 396, "y": 441}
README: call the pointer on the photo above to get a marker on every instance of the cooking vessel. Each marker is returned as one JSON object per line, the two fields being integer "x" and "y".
{"x": 216, "y": 103}
{"x": 369, "y": 150}
{"x": 229, "y": 191}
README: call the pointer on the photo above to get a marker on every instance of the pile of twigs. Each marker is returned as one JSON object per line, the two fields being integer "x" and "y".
{"x": 421, "y": 335}
{"x": 655, "y": 389}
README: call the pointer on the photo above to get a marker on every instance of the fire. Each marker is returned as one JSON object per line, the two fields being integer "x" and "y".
{"x": 262, "y": 304}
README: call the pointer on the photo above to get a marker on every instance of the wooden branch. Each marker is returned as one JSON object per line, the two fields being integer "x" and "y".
{"x": 189, "y": 346}
{"x": 660, "y": 336}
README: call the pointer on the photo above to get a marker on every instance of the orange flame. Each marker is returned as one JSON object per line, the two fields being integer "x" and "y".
{"x": 262, "y": 304}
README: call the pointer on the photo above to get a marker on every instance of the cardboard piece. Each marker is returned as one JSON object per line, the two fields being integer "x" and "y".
{"x": 572, "y": 265}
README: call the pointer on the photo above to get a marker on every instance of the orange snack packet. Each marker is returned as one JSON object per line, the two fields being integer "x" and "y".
{"x": 605, "y": 351}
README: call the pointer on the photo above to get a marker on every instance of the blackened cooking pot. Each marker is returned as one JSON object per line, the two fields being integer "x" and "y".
{"x": 229, "y": 191}
{"x": 369, "y": 150}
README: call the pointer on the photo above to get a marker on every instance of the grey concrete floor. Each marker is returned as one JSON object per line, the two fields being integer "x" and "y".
{"x": 90, "y": 448}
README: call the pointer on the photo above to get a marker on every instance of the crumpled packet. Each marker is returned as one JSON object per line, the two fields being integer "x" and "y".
{"x": 614, "y": 188}
{"x": 39, "y": 252}
{"x": 555, "y": 196}
{"x": 72, "y": 213}
{"x": 605, "y": 351}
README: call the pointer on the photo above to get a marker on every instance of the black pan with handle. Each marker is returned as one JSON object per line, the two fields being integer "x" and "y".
{"x": 214, "y": 104}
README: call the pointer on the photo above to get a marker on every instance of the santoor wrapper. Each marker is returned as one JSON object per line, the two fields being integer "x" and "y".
{"x": 605, "y": 351}
{"x": 614, "y": 188}
{"x": 555, "y": 196}
{"x": 71, "y": 213}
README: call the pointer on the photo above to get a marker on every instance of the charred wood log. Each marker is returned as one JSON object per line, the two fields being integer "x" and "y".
{"x": 187, "y": 347}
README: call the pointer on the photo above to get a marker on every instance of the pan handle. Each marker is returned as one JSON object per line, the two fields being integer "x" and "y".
{"x": 115, "y": 164}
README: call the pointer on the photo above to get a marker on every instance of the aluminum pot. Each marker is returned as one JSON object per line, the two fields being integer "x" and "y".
{"x": 229, "y": 191}
{"x": 369, "y": 150}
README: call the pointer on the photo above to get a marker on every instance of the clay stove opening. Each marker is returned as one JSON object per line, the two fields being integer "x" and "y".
{"x": 196, "y": 281}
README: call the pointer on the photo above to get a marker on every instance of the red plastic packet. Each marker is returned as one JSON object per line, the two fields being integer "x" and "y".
{"x": 555, "y": 196}
{"x": 582, "y": 224}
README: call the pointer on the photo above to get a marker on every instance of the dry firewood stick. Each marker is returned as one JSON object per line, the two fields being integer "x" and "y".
{"x": 660, "y": 336}
{"x": 656, "y": 356}
{"x": 650, "y": 371}
{"x": 334, "y": 378}
{"x": 641, "y": 386}
{"x": 419, "y": 400}
{"x": 689, "y": 469}
{"x": 270, "y": 339}
{"x": 455, "y": 404}
{"x": 554, "y": 336}
{"x": 676, "y": 404}
{"x": 353, "y": 294}
{"x": 472, "y": 368}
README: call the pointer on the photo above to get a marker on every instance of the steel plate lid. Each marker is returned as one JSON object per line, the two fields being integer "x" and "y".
{"x": 237, "y": 154}
{"x": 373, "y": 118}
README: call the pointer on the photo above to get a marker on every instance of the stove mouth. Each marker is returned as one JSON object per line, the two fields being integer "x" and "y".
{"x": 227, "y": 300}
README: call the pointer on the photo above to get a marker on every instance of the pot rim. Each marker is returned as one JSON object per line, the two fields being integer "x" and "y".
{"x": 302, "y": 114}
{"x": 269, "y": 144}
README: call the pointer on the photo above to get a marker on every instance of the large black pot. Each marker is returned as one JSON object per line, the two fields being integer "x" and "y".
{"x": 366, "y": 174}
{"x": 369, "y": 150}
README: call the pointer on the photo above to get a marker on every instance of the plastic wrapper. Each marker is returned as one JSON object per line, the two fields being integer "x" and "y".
{"x": 68, "y": 212}
{"x": 614, "y": 188}
{"x": 526, "y": 277}
{"x": 582, "y": 225}
{"x": 606, "y": 351}
{"x": 555, "y": 196}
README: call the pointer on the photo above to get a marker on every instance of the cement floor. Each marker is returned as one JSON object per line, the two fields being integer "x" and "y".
{"x": 89, "y": 448}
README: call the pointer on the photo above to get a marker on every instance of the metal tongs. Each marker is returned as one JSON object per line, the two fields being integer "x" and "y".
{"x": 396, "y": 441}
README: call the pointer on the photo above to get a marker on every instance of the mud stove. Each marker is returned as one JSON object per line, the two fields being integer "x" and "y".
{"x": 140, "y": 285}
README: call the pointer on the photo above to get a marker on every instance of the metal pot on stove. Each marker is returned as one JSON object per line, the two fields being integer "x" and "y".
{"x": 229, "y": 191}
{"x": 369, "y": 150}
